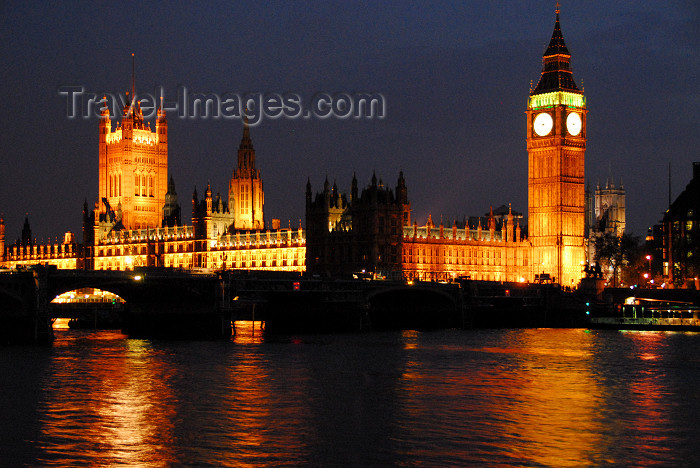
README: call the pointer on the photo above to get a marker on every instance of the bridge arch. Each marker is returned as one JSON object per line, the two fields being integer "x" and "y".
{"x": 415, "y": 307}
{"x": 158, "y": 302}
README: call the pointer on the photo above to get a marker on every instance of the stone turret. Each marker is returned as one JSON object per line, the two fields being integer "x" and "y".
{"x": 26, "y": 233}
{"x": 171, "y": 209}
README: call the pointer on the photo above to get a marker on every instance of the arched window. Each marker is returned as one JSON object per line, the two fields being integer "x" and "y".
{"x": 150, "y": 185}
{"x": 143, "y": 185}
{"x": 244, "y": 199}
{"x": 119, "y": 186}
{"x": 137, "y": 192}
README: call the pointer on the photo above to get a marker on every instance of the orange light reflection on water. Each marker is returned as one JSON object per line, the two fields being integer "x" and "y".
{"x": 266, "y": 410}
{"x": 248, "y": 332}
{"x": 119, "y": 404}
{"x": 554, "y": 399}
{"x": 535, "y": 401}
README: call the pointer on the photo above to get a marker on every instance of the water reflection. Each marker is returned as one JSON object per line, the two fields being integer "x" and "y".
{"x": 649, "y": 396}
{"x": 525, "y": 399}
{"x": 447, "y": 398}
{"x": 551, "y": 399}
{"x": 111, "y": 404}
{"x": 248, "y": 332}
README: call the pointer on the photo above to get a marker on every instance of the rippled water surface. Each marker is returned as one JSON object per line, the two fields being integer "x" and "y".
{"x": 448, "y": 398}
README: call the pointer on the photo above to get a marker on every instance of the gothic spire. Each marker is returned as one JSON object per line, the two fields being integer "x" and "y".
{"x": 133, "y": 77}
{"x": 557, "y": 44}
{"x": 556, "y": 71}
{"x": 246, "y": 142}
{"x": 132, "y": 109}
{"x": 246, "y": 152}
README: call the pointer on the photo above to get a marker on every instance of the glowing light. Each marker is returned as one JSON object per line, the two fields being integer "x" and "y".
{"x": 557, "y": 98}
{"x": 138, "y": 278}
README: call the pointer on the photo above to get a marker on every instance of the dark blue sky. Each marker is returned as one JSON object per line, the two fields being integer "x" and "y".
{"x": 455, "y": 75}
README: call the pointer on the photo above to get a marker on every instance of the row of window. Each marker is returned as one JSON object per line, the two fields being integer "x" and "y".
{"x": 460, "y": 256}
{"x": 144, "y": 185}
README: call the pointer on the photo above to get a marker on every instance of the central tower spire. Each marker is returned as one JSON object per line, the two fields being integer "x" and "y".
{"x": 245, "y": 193}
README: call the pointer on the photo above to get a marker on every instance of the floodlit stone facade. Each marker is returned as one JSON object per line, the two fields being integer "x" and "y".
{"x": 366, "y": 233}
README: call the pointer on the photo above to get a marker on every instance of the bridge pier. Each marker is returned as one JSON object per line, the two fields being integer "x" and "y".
{"x": 165, "y": 324}
{"x": 43, "y": 329}
{"x": 177, "y": 308}
{"x": 24, "y": 314}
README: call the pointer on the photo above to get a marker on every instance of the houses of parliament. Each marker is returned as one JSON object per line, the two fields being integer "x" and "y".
{"x": 136, "y": 220}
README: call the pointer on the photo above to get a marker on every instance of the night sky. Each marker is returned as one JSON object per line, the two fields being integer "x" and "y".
{"x": 455, "y": 75}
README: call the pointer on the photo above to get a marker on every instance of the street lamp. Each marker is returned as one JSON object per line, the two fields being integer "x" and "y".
{"x": 648, "y": 257}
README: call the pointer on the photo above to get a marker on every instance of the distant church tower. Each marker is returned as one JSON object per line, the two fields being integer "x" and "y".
{"x": 556, "y": 143}
{"x": 133, "y": 166}
{"x": 610, "y": 208}
{"x": 245, "y": 190}
{"x": 605, "y": 213}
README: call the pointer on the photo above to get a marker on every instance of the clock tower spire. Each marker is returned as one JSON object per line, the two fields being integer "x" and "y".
{"x": 556, "y": 145}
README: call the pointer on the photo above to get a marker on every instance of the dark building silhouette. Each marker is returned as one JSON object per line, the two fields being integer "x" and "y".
{"x": 362, "y": 232}
{"x": 171, "y": 209}
{"x": 681, "y": 244}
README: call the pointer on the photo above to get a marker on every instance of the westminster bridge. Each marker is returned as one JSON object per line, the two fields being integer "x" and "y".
{"x": 173, "y": 303}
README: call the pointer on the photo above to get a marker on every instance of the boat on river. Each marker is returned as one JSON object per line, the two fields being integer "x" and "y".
{"x": 650, "y": 314}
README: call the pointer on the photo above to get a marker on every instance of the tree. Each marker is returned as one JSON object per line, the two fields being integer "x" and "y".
{"x": 617, "y": 253}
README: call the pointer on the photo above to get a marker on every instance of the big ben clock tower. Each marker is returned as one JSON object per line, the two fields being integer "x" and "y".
{"x": 556, "y": 144}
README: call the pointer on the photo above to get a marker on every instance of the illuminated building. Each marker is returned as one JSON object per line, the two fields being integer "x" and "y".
{"x": 556, "y": 144}
{"x": 492, "y": 249}
{"x": 128, "y": 232}
{"x": 369, "y": 230}
{"x": 605, "y": 214}
{"x": 2, "y": 238}
{"x": 681, "y": 236}
{"x": 24, "y": 252}
{"x": 371, "y": 234}
{"x": 610, "y": 208}
{"x": 245, "y": 193}
{"x": 133, "y": 165}
{"x": 222, "y": 235}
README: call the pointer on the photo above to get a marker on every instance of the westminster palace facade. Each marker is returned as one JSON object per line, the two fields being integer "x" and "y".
{"x": 136, "y": 221}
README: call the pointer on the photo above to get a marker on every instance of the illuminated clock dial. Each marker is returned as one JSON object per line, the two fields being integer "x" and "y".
{"x": 543, "y": 124}
{"x": 573, "y": 123}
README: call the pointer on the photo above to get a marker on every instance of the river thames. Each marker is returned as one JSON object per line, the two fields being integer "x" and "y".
{"x": 526, "y": 397}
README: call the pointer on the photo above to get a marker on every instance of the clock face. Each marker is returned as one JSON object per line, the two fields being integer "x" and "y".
{"x": 543, "y": 124}
{"x": 573, "y": 123}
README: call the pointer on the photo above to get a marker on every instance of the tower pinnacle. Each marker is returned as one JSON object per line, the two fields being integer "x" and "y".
{"x": 133, "y": 77}
{"x": 556, "y": 70}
